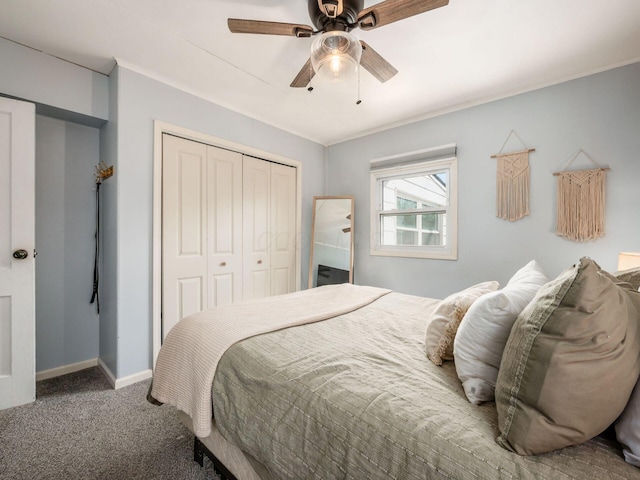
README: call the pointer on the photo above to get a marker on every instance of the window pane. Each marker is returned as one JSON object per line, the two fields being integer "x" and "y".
{"x": 429, "y": 190}
{"x": 430, "y": 221}
{"x": 406, "y": 204}
{"x": 407, "y": 221}
{"x": 406, "y": 237}
{"x": 415, "y": 230}
{"x": 433, "y": 239}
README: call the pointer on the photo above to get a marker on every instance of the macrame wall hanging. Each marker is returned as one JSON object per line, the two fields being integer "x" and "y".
{"x": 581, "y": 195}
{"x": 512, "y": 182}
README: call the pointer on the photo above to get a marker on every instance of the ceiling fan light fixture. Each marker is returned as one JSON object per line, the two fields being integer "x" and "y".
{"x": 335, "y": 55}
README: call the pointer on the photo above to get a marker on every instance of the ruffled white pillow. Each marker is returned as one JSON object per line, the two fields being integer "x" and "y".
{"x": 483, "y": 333}
{"x": 444, "y": 320}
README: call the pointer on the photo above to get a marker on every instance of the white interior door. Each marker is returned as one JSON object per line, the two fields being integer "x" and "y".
{"x": 224, "y": 193}
{"x": 283, "y": 229}
{"x": 17, "y": 238}
{"x": 201, "y": 228}
{"x": 256, "y": 222}
{"x": 184, "y": 229}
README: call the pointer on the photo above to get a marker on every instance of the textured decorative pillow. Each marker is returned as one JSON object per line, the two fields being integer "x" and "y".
{"x": 570, "y": 363}
{"x": 628, "y": 428}
{"x": 631, "y": 276}
{"x": 482, "y": 335}
{"x": 444, "y": 321}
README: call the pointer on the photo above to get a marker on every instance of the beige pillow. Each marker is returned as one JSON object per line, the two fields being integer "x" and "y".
{"x": 445, "y": 319}
{"x": 571, "y": 362}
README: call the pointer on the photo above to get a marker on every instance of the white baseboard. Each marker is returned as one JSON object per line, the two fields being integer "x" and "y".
{"x": 135, "y": 378}
{"x": 117, "y": 383}
{"x": 107, "y": 373}
{"x": 58, "y": 371}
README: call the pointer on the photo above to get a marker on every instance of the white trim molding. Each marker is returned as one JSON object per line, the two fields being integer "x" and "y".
{"x": 65, "y": 369}
{"x": 117, "y": 383}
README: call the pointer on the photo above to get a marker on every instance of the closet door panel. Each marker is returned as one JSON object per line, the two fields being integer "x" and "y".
{"x": 256, "y": 216}
{"x": 184, "y": 249}
{"x": 224, "y": 207}
{"x": 189, "y": 296}
{"x": 283, "y": 229}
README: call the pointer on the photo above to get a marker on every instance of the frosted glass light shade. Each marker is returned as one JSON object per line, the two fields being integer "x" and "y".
{"x": 335, "y": 56}
{"x": 628, "y": 260}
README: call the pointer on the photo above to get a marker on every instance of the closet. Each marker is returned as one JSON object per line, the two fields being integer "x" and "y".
{"x": 228, "y": 228}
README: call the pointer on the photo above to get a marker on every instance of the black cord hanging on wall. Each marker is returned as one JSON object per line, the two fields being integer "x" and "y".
{"x": 102, "y": 173}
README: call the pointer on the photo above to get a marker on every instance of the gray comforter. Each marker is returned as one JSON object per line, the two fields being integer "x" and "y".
{"x": 354, "y": 397}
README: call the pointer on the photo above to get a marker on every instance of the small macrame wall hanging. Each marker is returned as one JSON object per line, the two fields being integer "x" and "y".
{"x": 512, "y": 182}
{"x": 581, "y": 195}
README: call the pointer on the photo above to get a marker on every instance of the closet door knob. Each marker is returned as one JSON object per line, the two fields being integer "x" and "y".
{"x": 259, "y": 262}
{"x": 223, "y": 264}
{"x": 20, "y": 254}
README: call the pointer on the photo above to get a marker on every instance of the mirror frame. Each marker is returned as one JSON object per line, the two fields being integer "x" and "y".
{"x": 313, "y": 233}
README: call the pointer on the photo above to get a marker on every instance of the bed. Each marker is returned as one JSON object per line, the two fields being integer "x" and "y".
{"x": 345, "y": 392}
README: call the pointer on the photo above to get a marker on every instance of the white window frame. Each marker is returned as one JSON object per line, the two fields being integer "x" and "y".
{"x": 378, "y": 176}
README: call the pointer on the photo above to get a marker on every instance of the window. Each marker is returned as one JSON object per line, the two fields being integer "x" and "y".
{"x": 413, "y": 210}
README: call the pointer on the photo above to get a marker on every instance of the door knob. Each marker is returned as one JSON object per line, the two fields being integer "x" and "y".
{"x": 20, "y": 254}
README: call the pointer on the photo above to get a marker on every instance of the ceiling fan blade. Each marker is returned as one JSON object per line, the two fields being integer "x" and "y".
{"x": 304, "y": 76}
{"x": 375, "y": 64}
{"x": 391, "y": 11}
{"x": 238, "y": 25}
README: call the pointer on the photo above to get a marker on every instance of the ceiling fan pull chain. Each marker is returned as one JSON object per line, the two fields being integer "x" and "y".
{"x": 310, "y": 87}
{"x": 358, "y": 102}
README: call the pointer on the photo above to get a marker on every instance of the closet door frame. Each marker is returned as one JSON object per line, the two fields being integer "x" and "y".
{"x": 161, "y": 128}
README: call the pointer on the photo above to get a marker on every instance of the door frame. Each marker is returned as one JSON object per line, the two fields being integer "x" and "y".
{"x": 160, "y": 128}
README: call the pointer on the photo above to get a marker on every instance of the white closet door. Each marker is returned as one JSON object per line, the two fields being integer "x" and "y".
{"x": 283, "y": 229}
{"x": 224, "y": 187}
{"x": 184, "y": 229}
{"x": 256, "y": 222}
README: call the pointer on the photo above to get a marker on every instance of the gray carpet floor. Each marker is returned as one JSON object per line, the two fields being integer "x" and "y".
{"x": 80, "y": 428}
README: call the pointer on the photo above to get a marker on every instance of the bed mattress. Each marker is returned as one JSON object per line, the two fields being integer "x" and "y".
{"x": 355, "y": 397}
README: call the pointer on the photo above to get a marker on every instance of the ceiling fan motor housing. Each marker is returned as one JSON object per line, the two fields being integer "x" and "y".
{"x": 349, "y": 15}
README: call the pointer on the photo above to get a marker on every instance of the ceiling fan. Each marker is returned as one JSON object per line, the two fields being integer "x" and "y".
{"x": 334, "y": 19}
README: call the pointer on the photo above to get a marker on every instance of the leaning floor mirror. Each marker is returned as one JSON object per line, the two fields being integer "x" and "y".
{"x": 331, "y": 255}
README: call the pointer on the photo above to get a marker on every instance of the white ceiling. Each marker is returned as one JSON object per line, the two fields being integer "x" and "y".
{"x": 466, "y": 53}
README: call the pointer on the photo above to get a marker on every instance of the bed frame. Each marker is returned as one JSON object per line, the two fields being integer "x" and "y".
{"x": 200, "y": 450}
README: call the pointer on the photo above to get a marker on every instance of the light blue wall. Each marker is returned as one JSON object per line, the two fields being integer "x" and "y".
{"x": 599, "y": 114}
{"x": 66, "y": 324}
{"x": 130, "y": 102}
{"x": 60, "y": 89}
{"x": 140, "y": 101}
{"x": 109, "y": 234}
{"x": 75, "y": 102}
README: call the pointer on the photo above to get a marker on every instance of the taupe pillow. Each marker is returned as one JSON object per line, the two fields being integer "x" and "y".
{"x": 571, "y": 362}
{"x": 445, "y": 319}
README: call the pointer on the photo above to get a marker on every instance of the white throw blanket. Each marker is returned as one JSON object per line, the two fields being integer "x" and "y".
{"x": 187, "y": 362}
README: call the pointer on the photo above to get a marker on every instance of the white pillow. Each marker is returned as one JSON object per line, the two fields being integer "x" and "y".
{"x": 483, "y": 333}
{"x": 628, "y": 428}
